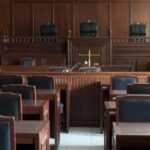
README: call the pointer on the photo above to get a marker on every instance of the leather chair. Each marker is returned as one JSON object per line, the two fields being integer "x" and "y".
{"x": 27, "y": 91}
{"x": 49, "y": 30}
{"x": 88, "y": 29}
{"x": 7, "y": 133}
{"x": 10, "y": 79}
{"x": 11, "y": 105}
{"x": 133, "y": 108}
{"x": 41, "y": 82}
{"x": 121, "y": 82}
{"x": 138, "y": 89}
{"x": 28, "y": 62}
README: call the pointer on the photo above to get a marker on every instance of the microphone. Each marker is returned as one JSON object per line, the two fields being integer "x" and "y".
{"x": 75, "y": 66}
{"x": 78, "y": 65}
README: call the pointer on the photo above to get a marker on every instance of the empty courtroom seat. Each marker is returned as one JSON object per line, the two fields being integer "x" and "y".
{"x": 133, "y": 108}
{"x": 7, "y": 133}
{"x": 11, "y": 105}
{"x": 27, "y": 92}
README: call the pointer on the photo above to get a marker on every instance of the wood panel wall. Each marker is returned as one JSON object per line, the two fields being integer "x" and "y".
{"x": 24, "y": 17}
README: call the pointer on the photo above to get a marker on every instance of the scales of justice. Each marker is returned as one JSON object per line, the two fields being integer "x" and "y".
{"x": 89, "y": 56}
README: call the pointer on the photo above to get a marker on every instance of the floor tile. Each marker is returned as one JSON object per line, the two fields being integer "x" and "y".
{"x": 82, "y": 139}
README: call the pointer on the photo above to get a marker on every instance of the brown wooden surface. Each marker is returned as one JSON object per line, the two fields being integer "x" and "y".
{"x": 65, "y": 52}
{"x": 33, "y": 132}
{"x": 109, "y": 117}
{"x": 54, "y": 110}
{"x": 114, "y": 93}
{"x": 40, "y": 108}
{"x": 113, "y": 17}
{"x": 127, "y": 136}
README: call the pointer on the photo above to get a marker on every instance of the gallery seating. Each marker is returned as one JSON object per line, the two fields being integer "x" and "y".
{"x": 121, "y": 82}
{"x": 10, "y": 79}
{"x": 138, "y": 88}
{"x": 7, "y": 133}
{"x": 133, "y": 108}
{"x": 41, "y": 81}
{"x": 11, "y": 105}
{"x": 27, "y": 92}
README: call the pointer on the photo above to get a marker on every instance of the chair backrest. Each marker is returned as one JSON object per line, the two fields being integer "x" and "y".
{"x": 10, "y": 79}
{"x": 41, "y": 82}
{"x": 88, "y": 29}
{"x": 11, "y": 105}
{"x": 138, "y": 89}
{"x": 133, "y": 108}
{"x": 48, "y": 30}
{"x": 7, "y": 133}
{"x": 121, "y": 82}
{"x": 28, "y": 61}
{"x": 27, "y": 91}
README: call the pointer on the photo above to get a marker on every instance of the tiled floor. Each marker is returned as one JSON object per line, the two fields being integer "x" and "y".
{"x": 82, "y": 139}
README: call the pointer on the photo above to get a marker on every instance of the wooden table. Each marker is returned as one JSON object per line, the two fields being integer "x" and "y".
{"x": 54, "y": 111}
{"x": 66, "y": 88}
{"x": 31, "y": 108}
{"x": 131, "y": 136}
{"x": 109, "y": 117}
{"x": 33, "y": 132}
{"x": 114, "y": 93}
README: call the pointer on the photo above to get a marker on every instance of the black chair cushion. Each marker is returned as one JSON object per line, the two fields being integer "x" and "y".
{"x": 41, "y": 82}
{"x": 9, "y": 106}
{"x": 10, "y": 79}
{"x": 26, "y": 93}
{"x": 139, "y": 90}
{"x": 5, "y": 140}
{"x": 134, "y": 110}
{"x": 120, "y": 83}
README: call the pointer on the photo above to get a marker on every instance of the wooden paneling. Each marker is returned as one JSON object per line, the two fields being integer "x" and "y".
{"x": 120, "y": 19}
{"x": 63, "y": 18}
{"x": 42, "y": 14}
{"x": 85, "y": 97}
{"x": 5, "y": 17}
{"x": 49, "y": 53}
{"x": 22, "y": 19}
{"x": 137, "y": 55}
{"x": 98, "y": 46}
{"x": 69, "y": 13}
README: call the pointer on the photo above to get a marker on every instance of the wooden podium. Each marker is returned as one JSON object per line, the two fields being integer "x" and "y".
{"x": 100, "y": 51}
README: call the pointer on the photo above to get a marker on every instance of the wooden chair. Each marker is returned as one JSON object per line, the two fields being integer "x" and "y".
{"x": 27, "y": 91}
{"x": 11, "y": 105}
{"x": 121, "y": 82}
{"x": 138, "y": 88}
{"x": 133, "y": 108}
{"x": 10, "y": 79}
{"x": 41, "y": 82}
{"x": 7, "y": 133}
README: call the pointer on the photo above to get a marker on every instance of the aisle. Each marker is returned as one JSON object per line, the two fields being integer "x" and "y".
{"x": 82, "y": 139}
